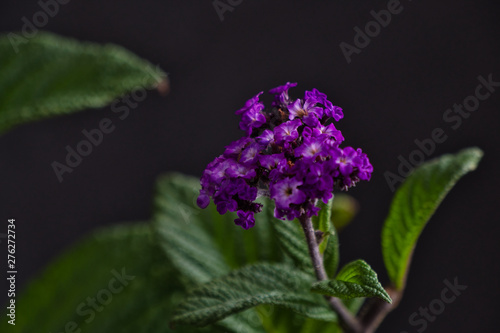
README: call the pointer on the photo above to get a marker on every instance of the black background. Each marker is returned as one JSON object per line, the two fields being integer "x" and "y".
{"x": 394, "y": 91}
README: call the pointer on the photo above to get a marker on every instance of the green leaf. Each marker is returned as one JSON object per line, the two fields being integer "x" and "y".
{"x": 323, "y": 220}
{"x": 344, "y": 209}
{"x": 292, "y": 242}
{"x": 186, "y": 242}
{"x": 250, "y": 286}
{"x": 356, "y": 279}
{"x": 50, "y": 75}
{"x": 204, "y": 245}
{"x": 413, "y": 205}
{"x": 329, "y": 246}
{"x": 201, "y": 243}
{"x": 331, "y": 256}
{"x": 316, "y": 326}
{"x": 121, "y": 268}
{"x": 291, "y": 239}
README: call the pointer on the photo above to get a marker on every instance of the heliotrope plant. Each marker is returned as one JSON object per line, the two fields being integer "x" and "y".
{"x": 286, "y": 167}
{"x": 293, "y": 154}
{"x": 290, "y": 153}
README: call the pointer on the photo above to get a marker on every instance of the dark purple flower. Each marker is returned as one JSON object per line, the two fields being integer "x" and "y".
{"x": 250, "y": 154}
{"x": 323, "y": 180}
{"x": 307, "y": 111}
{"x": 281, "y": 94}
{"x": 330, "y": 131}
{"x": 330, "y": 110}
{"x": 271, "y": 161}
{"x": 283, "y": 88}
{"x": 335, "y": 112}
{"x": 286, "y": 192}
{"x": 311, "y": 148}
{"x": 347, "y": 159}
{"x": 245, "y": 191}
{"x": 251, "y": 119}
{"x": 316, "y": 95}
{"x": 366, "y": 169}
{"x": 224, "y": 198}
{"x": 266, "y": 138}
{"x": 238, "y": 170}
{"x": 245, "y": 219}
{"x": 287, "y": 132}
{"x": 252, "y": 103}
{"x": 289, "y": 153}
{"x": 236, "y": 147}
{"x": 203, "y": 199}
{"x": 216, "y": 172}
{"x": 283, "y": 168}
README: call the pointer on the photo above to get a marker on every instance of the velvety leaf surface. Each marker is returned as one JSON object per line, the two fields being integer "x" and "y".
{"x": 51, "y": 75}
{"x": 250, "y": 286}
{"x": 356, "y": 279}
{"x": 204, "y": 245}
{"x": 116, "y": 280}
{"x": 415, "y": 202}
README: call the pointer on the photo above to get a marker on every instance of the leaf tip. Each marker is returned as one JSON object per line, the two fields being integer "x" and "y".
{"x": 473, "y": 155}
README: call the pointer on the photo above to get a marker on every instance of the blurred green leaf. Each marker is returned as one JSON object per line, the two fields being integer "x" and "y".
{"x": 344, "y": 209}
{"x": 415, "y": 202}
{"x": 181, "y": 233}
{"x": 51, "y": 75}
{"x": 322, "y": 220}
{"x": 329, "y": 246}
{"x": 317, "y": 326}
{"x": 331, "y": 256}
{"x": 200, "y": 242}
{"x": 116, "y": 280}
{"x": 204, "y": 245}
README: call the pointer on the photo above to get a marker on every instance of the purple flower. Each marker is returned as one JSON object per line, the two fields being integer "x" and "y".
{"x": 288, "y": 154}
{"x": 347, "y": 159}
{"x": 224, "y": 199}
{"x": 216, "y": 171}
{"x": 366, "y": 169}
{"x": 281, "y": 94}
{"x": 245, "y": 219}
{"x": 203, "y": 199}
{"x": 307, "y": 111}
{"x": 238, "y": 170}
{"x": 286, "y": 192}
{"x": 252, "y": 103}
{"x": 330, "y": 131}
{"x": 316, "y": 95}
{"x": 236, "y": 147}
{"x": 283, "y": 88}
{"x": 282, "y": 169}
{"x": 245, "y": 192}
{"x": 271, "y": 161}
{"x": 335, "y": 112}
{"x": 330, "y": 110}
{"x": 250, "y": 154}
{"x": 311, "y": 148}
{"x": 251, "y": 119}
{"x": 287, "y": 132}
{"x": 266, "y": 138}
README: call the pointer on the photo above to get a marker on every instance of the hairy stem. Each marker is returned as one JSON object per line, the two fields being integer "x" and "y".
{"x": 348, "y": 321}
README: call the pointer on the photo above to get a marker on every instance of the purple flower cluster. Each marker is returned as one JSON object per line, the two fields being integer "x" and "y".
{"x": 290, "y": 153}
